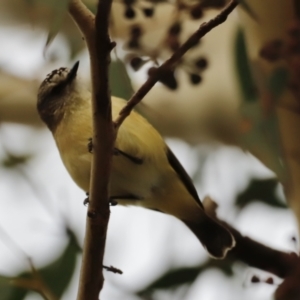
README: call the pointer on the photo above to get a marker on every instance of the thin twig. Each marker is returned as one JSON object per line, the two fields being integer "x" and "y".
{"x": 113, "y": 269}
{"x": 173, "y": 60}
{"x": 42, "y": 287}
{"x": 34, "y": 284}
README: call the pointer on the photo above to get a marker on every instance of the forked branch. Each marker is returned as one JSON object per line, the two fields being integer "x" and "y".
{"x": 95, "y": 32}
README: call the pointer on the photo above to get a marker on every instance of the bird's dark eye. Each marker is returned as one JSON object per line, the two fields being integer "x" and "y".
{"x": 58, "y": 88}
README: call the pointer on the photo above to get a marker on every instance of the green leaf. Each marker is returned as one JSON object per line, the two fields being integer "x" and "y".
{"x": 30, "y": 2}
{"x": 173, "y": 278}
{"x": 261, "y": 137}
{"x": 243, "y": 69}
{"x": 57, "y": 275}
{"x": 75, "y": 43}
{"x": 278, "y": 81}
{"x": 92, "y": 6}
{"x": 248, "y": 9}
{"x": 8, "y": 292}
{"x": 60, "y": 8}
{"x": 120, "y": 83}
{"x": 263, "y": 190}
{"x": 12, "y": 161}
{"x": 176, "y": 277}
{"x": 259, "y": 126}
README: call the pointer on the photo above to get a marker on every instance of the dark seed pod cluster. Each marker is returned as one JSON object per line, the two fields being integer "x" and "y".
{"x": 135, "y": 35}
{"x": 130, "y": 7}
{"x": 193, "y": 67}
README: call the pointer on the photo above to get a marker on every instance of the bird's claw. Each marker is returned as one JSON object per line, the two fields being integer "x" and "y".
{"x": 90, "y": 145}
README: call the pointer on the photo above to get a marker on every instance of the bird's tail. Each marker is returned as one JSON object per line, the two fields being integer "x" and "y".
{"x": 214, "y": 237}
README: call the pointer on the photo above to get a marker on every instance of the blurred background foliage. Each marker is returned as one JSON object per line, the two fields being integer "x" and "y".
{"x": 219, "y": 112}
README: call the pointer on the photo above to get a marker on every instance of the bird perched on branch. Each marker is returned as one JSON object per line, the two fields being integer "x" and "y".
{"x": 145, "y": 172}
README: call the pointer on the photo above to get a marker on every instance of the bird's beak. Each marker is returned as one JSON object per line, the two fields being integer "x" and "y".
{"x": 73, "y": 72}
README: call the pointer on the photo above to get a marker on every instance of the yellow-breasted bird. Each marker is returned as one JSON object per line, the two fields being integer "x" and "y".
{"x": 144, "y": 170}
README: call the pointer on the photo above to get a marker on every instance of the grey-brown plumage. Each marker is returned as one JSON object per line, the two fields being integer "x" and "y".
{"x": 50, "y": 104}
{"x": 144, "y": 171}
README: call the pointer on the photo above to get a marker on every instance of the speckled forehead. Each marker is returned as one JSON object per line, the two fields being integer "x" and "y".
{"x": 56, "y": 75}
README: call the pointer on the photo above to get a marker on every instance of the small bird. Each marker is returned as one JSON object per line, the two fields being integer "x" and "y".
{"x": 145, "y": 172}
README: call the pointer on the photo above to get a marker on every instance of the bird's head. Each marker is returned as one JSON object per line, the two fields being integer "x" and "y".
{"x": 53, "y": 93}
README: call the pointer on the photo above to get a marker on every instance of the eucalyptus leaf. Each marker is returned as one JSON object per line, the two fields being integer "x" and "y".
{"x": 263, "y": 190}
{"x": 60, "y": 8}
{"x": 56, "y": 275}
{"x": 255, "y": 141}
{"x": 172, "y": 279}
{"x": 259, "y": 125}
{"x": 9, "y": 292}
{"x": 30, "y": 2}
{"x": 76, "y": 44}
{"x": 243, "y": 69}
{"x": 248, "y": 9}
{"x": 120, "y": 82}
{"x": 12, "y": 160}
{"x": 278, "y": 81}
{"x": 176, "y": 277}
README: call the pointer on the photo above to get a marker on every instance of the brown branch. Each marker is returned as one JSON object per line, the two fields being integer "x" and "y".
{"x": 99, "y": 45}
{"x": 255, "y": 254}
{"x": 290, "y": 288}
{"x": 170, "y": 64}
{"x": 95, "y": 31}
{"x": 260, "y": 256}
{"x": 279, "y": 263}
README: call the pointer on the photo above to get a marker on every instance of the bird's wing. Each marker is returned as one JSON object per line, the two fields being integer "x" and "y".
{"x": 183, "y": 175}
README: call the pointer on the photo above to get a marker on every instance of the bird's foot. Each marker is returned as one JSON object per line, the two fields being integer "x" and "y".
{"x": 90, "y": 145}
{"x": 86, "y": 201}
{"x": 112, "y": 201}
